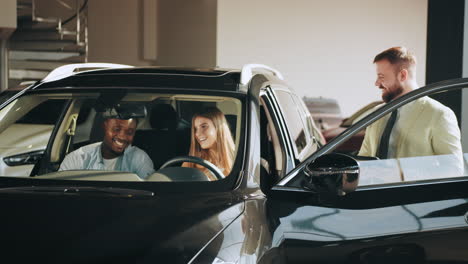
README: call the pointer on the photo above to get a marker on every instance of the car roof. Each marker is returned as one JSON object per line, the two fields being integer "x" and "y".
{"x": 109, "y": 75}
{"x": 151, "y": 77}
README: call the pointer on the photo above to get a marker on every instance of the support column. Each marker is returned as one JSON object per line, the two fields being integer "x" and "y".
{"x": 3, "y": 64}
{"x": 7, "y": 27}
{"x": 446, "y": 42}
{"x": 464, "y": 108}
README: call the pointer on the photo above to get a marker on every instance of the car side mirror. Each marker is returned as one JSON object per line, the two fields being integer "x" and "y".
{"x": 334, "y": 173}
{"x": 24, "y": 158}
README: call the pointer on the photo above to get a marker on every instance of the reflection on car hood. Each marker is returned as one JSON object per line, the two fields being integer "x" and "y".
{"x": 29, "y": 137}
{"x": 53, "y": 227}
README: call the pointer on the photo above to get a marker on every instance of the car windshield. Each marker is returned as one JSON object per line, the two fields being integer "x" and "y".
{"x": 115, "y": 135}
{"x": 5, "y": 95}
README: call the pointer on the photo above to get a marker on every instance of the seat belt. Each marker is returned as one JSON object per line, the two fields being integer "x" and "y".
{"x": 71, "y": 131}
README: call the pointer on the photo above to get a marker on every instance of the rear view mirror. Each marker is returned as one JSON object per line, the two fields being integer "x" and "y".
{"x": 125, "y": 111}
{"x": 110, "y": 104}
{"x": 332, "y": 173}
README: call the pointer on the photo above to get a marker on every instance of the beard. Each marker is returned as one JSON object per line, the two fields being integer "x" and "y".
{"x": 391, "y": 92}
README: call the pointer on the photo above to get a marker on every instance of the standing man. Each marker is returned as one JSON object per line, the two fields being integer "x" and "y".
{"x": 115, "y": 152}
{"x": 423, "y": 127}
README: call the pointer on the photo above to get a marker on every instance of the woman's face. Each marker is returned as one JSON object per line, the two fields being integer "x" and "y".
{"x": 205, "y": 132}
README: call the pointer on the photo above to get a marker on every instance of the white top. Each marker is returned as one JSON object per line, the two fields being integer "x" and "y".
{"x": 109, "y": 164}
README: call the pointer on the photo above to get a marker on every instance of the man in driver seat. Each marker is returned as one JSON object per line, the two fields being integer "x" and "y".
{"x": 114, "y": 153}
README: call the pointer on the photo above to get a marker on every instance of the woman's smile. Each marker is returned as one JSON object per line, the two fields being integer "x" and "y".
{"x": 205, "y": 132}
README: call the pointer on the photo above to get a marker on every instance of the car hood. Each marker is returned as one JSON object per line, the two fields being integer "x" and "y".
{"x": 76, "y": 228}
{"x": 25, "y": 136}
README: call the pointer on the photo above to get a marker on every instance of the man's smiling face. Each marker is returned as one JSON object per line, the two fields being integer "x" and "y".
{"x": 118, "y": 135}
{"x": 388, "y": 81}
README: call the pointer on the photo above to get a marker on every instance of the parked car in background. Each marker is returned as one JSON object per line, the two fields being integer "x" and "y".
{"x": 325, "y": 111}
{"x": 287, "y": 199}
{"x": 353, "y": 144}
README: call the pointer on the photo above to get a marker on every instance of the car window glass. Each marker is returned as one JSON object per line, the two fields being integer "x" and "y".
{"x": 361, "y": 113}
{"x": 314, "y": 137}
{"x": 5, "y": 95}
{"x": 325, "y": 111}
{"x": 272, "y": 151}
{"x": 293, "y": 120}
{"x": 163, "y": 130}
{"x": 303, "y": 116}
{"x": 45, "y": 113}
{"x": 424, "y": 144}
{"x": 314, "y": 132}
{"x": 26, "y": 128}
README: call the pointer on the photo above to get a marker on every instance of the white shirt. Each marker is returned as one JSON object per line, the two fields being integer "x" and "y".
{"x": 109, "y": 164}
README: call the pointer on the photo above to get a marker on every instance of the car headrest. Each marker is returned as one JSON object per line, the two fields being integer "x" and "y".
{"x": 163, "y": 117}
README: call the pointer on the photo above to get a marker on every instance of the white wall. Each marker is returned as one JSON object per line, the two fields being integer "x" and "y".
{"x": 323, "y": 48}
{"x": 464, "y": 105}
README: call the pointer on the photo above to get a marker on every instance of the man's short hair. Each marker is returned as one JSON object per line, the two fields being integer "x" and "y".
{"x": 107, "y": 118}
{"x": 398, "y": 56}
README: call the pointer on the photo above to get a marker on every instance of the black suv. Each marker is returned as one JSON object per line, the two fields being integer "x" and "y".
{"x": 285, "y": 199}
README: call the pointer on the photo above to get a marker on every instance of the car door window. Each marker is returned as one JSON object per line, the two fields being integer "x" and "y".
{"x": 272, "y": 146}
{"x": 315, "y": 136}
{"x": 25, "y": 139}
{"x": 295, "y": 125}
{"x": 425, "y": 144}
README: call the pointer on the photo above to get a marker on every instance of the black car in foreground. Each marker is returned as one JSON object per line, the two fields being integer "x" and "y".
{"x": 287, "y": 199}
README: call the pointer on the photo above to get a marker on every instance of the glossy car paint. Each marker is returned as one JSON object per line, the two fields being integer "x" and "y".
{"x": 355, "y": 231}
{"x": 349, "y": 230}
{"x": 98, "y": 228}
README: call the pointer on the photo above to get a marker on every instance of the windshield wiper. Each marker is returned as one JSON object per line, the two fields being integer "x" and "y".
{"x": 74, "y": 190}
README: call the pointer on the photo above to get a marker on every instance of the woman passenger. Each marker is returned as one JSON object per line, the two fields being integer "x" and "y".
{"x": 211, "y": 140}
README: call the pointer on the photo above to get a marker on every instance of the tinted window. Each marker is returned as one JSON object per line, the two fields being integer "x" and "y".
{"x": 45, "y": 113}
{"x": 5, "y": 95}
{"x": 84, "y": 112}
{"x": 314, "y": 137}
{"x": 28, "y": 122}
{"x": 293, "y": 119}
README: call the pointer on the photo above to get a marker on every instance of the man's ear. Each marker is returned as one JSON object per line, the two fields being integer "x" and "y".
{"x": 104, "y": 125}
{"x": 403, "y": 75}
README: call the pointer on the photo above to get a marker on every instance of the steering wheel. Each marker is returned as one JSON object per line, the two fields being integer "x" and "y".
{"x": 210, "y": 166}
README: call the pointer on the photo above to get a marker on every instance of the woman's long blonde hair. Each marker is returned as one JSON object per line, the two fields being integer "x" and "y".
{"x": 225, "y": 148}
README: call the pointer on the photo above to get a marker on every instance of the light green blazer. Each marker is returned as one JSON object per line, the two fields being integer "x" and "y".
{"x": 431, "y": 129}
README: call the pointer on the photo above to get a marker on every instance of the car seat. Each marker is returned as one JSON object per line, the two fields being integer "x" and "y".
{"x": 232, "y": 123}
{"x": 160, "y": 142}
